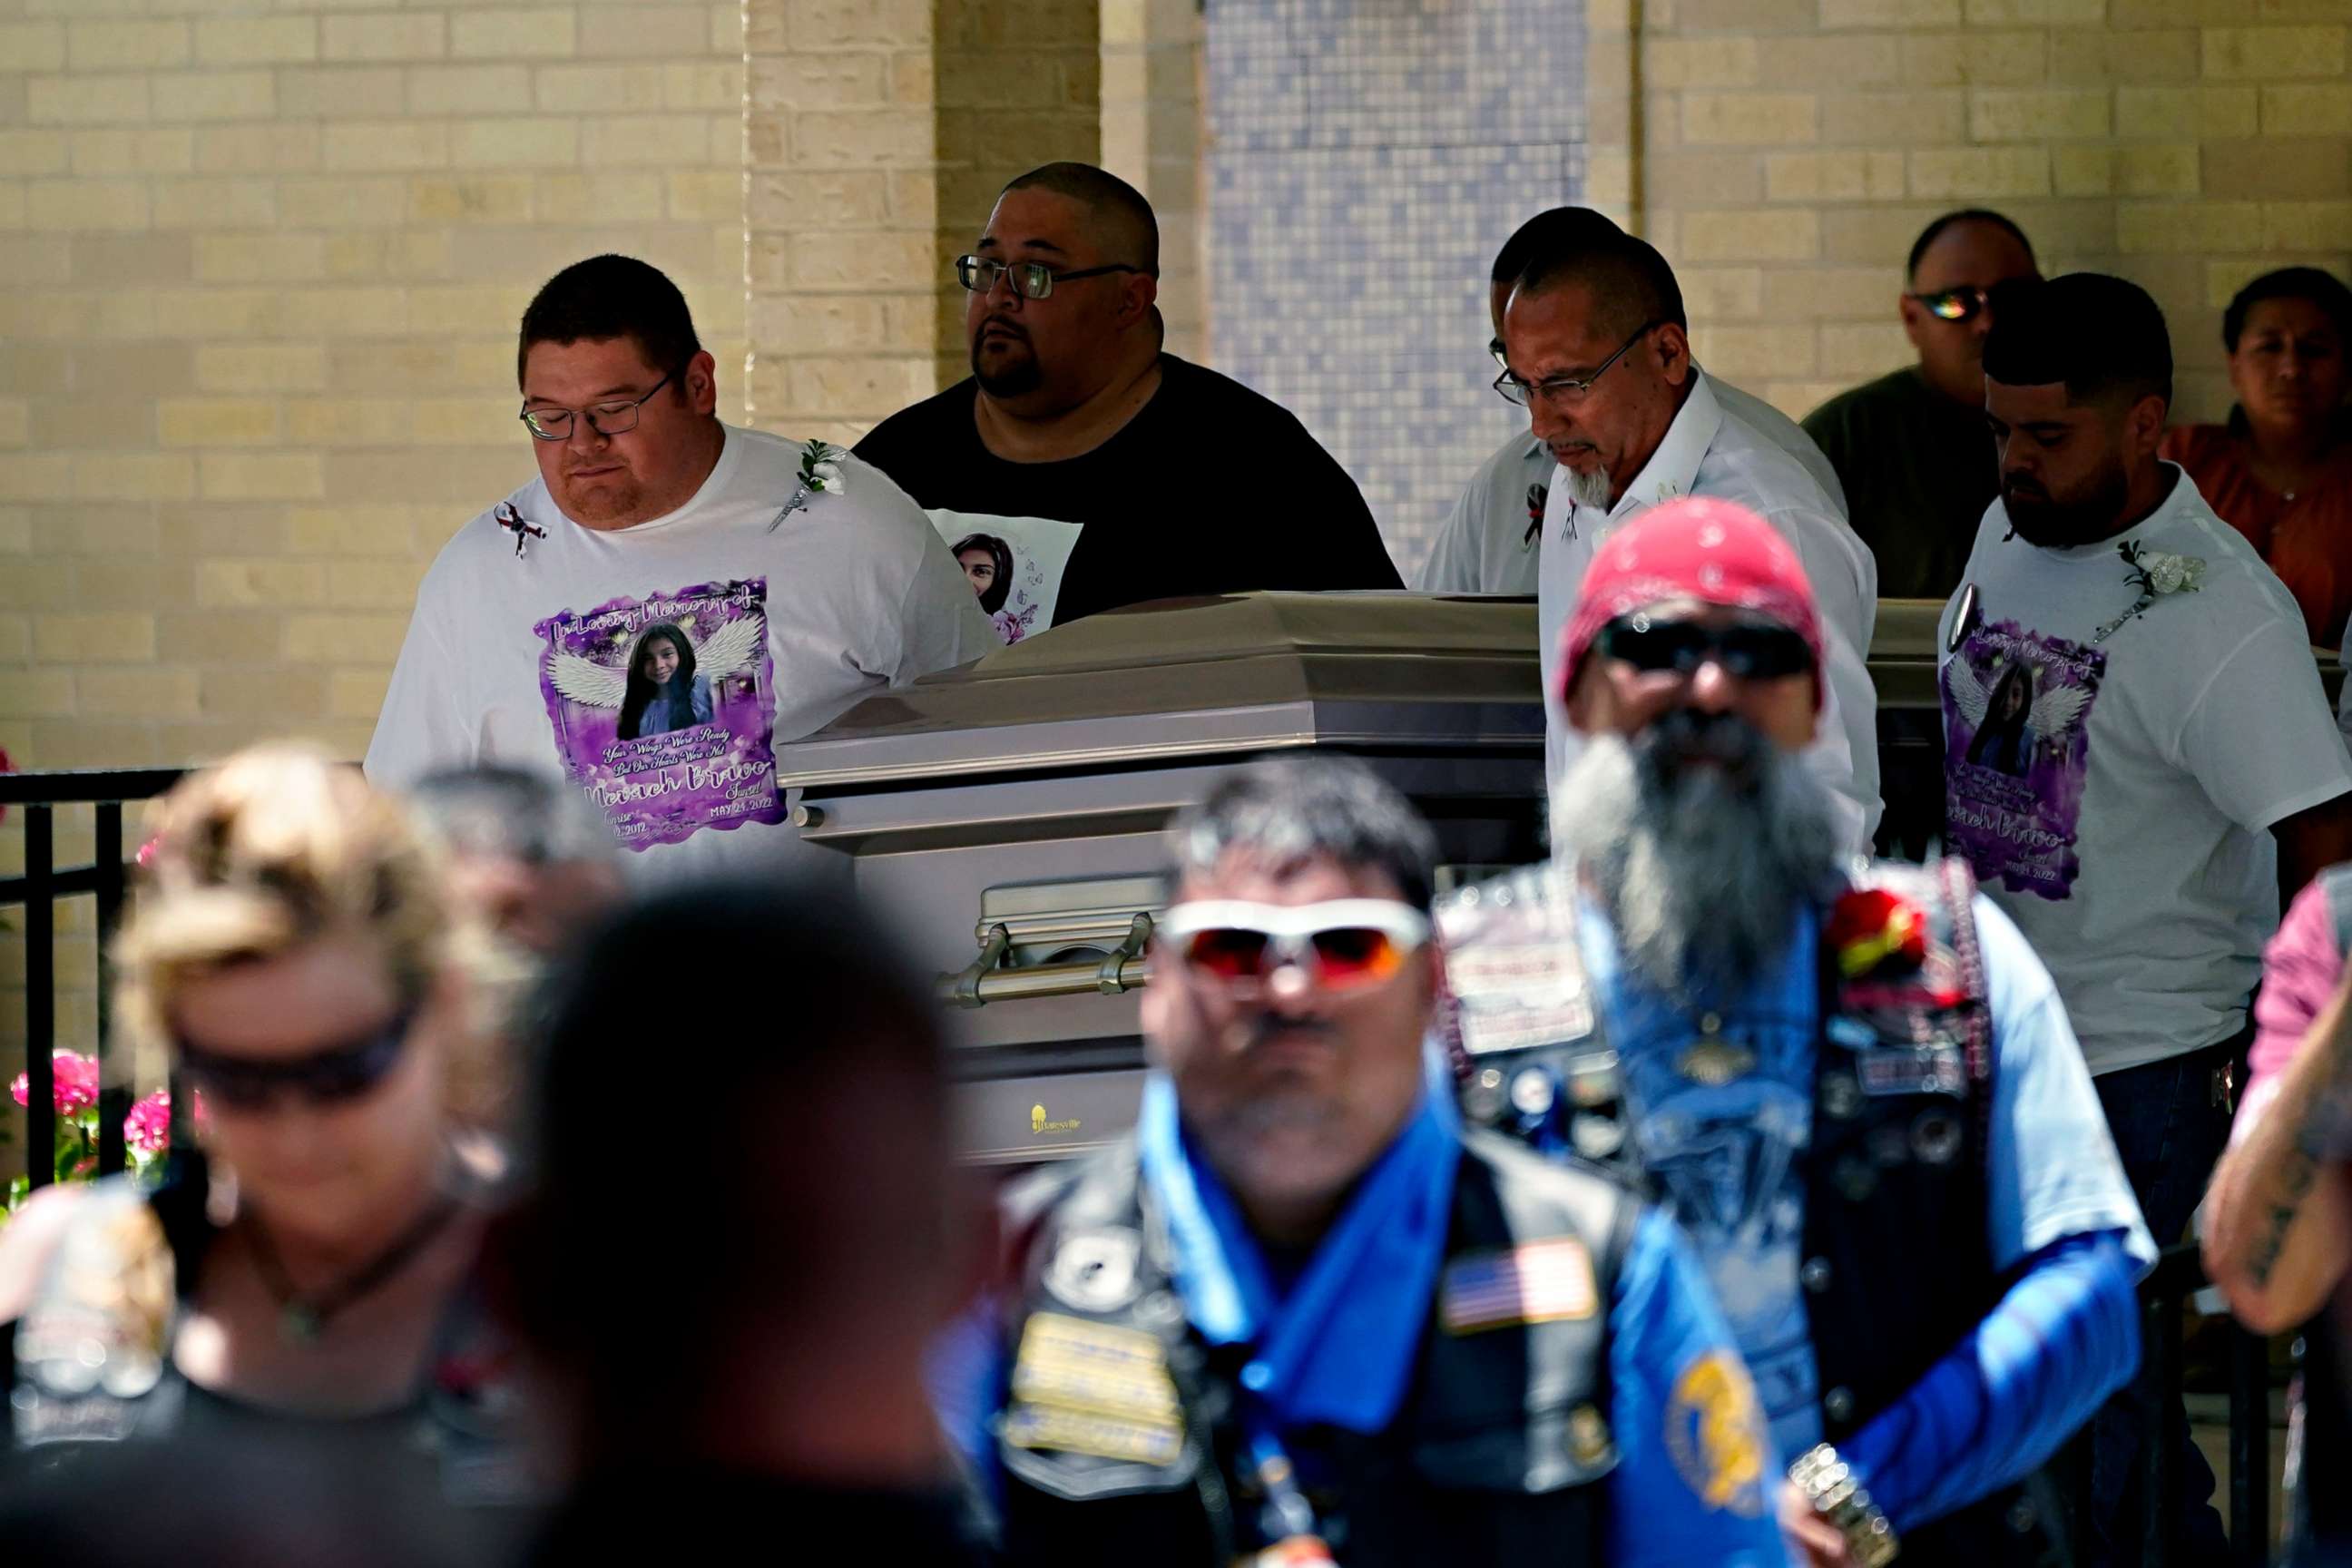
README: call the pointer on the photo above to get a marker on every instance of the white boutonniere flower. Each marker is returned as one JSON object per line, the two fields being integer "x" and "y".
{"x": 819, "y": 475}
{"x": 2157, "y": 576}
{"x": 821, "y": 469}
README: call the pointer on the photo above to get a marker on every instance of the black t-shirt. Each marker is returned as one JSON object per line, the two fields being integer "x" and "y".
{"x": 1919, "y": 470}
{"x": 1210, "y": 488}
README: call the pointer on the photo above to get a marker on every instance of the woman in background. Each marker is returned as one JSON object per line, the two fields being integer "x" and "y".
{"x": 303, "y": 1285}
{"x": 2280, "y": 471}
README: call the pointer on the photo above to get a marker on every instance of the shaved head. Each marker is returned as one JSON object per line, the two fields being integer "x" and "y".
{"x": 1119, "y": 220}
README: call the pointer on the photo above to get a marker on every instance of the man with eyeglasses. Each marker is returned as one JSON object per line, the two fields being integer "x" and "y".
{"x": 1489, "y": 542}
{"x": 670, "y": 598}
{"x": 1597, "y": 349}
{"x": 1300, "y": 1315}
{"x": 1911, "y": 446}
{"x": 1854, "y": 1086}
{"x": 1112, "y": 471}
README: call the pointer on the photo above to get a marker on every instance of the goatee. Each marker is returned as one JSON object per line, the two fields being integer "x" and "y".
{"x": 1701, "y": 838}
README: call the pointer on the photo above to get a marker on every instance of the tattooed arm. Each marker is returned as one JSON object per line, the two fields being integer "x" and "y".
{"x": 2278, "y": 1218}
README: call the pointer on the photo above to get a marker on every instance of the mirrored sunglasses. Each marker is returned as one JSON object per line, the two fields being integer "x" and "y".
{"x": 1954, "y": 304}
{"x": 335, "y": 1076}
{"x": 1342, "y": 945}
{"x": 1752, "y": 650}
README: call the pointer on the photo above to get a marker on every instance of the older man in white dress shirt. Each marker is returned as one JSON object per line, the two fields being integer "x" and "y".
{"x": 1596, "y": 348}
{"x": 1491, "y": 540}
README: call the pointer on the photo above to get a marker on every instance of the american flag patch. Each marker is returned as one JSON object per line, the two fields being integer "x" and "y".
{"x": 1542, "y": 1282}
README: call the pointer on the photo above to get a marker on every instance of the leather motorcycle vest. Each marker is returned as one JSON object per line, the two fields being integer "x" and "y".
{"x": 1122, "y": 1439}
{"x": 1896, "y": 1263}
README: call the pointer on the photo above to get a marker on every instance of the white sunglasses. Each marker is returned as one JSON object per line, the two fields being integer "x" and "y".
{"x": 1343, "y": 943}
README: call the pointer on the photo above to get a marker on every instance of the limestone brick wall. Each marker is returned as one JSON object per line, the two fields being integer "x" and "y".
{"x": 1784, "y": 153}
{"x": 263, "y": 264}
{"x": 878, "y": 134}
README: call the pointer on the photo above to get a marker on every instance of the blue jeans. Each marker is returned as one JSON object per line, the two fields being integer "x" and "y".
{"x": 2169, "y": 1125}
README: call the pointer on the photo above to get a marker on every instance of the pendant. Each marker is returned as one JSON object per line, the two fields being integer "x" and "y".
{"x": 298, "y": 1324}
{"x": 1714, "y": 1061}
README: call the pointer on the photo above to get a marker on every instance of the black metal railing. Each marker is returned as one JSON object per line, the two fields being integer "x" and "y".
{"x": 2178, "y": 1276}
{"x": 37, "y": 891}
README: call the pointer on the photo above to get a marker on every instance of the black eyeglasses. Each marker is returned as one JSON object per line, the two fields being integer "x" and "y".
{"x": 1751, "y": 650}
{"x": 615, "y": 418}
{"x": 1494, "y": 352}
{"x": 335, "y": 1076}
{"x": 1566, "y": 388}
{"x": 1955, "y": 304}
{"x": 1031, "y": 280}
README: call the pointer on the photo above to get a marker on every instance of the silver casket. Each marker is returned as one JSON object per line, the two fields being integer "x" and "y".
{"x": 1004, "y": 817}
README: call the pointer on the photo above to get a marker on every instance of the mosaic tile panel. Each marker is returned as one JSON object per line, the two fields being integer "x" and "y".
{"x": 1367, "y": 156}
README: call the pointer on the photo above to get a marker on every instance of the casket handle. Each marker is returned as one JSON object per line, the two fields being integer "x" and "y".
{"x": 983, "y": 981}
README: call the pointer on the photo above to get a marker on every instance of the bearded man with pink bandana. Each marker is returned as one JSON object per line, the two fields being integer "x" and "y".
{"x": 1853, "y": 1084}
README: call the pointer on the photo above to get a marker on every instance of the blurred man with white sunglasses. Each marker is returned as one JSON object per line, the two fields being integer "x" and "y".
{"x": 1300, "y": 1316}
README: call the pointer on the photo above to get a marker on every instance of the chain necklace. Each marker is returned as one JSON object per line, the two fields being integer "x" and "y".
{"x": 303, "y": 1315}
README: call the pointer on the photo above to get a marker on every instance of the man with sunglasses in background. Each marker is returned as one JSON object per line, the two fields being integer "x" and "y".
{"x": 1300, "y": 1315}
{"x": 1911, "y": 446}
{"x": 1597, "y": 349}
{"x": 1489, "y": 542}
{"x": 1114, "y": 471}
{"x": 1855, "y": 1088}
{"x": 780, "y": 582}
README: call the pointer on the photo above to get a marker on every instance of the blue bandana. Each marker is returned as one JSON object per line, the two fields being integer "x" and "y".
{"x": 1339, "y": 1348}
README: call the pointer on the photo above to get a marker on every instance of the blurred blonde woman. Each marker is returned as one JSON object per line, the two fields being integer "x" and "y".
{"x": 293, "y": 950}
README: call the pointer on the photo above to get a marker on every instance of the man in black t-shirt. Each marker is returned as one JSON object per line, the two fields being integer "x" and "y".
{"x": 1108, "y": 470}
{"x": 1912, "y": 448}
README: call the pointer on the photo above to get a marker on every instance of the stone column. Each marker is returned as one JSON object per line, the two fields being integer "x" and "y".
{"x": 1152, "y": 138}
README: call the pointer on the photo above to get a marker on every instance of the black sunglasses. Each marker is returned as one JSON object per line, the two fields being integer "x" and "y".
{"x": 335, "y": 1076}
{"x": 1751, "y": 650}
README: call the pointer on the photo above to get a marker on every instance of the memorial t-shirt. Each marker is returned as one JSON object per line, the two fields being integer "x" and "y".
{"x": 658, "y": 667}
{"x": 1210, "y": 488}
{"x": 2113, "y": 775}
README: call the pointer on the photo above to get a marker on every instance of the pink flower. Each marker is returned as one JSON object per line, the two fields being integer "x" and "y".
{"x": 147, "y": 1131}
{"x": 75, "y": 1078}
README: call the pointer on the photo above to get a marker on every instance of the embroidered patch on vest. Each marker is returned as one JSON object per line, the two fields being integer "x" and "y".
{"x": 1094, "y": 1271}
{"x": 1541, "y": 1283}
{"x": 1511, "y": 995}
{"x": 1935, "y": 1068}
{"x": 1715, "y": 1432}
{"x": 1089, "y": 1388}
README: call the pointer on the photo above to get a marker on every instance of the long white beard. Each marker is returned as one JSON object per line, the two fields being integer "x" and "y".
{"x": 1586, "y": 490}
{"x": 1700, "y": 868}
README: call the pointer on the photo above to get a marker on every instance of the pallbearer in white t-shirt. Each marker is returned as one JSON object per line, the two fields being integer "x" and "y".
{"x": 2140, "y": 760}
{"x": 1493, "y": 538}
{"x": 671, "y": 598}
{"x": 1597, "y": 349}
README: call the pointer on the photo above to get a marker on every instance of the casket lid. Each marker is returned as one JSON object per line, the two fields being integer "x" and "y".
{"x": 1187, "y": 677}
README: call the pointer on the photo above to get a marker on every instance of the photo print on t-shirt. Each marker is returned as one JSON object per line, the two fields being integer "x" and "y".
{"x": 2017, "y": 713}
{"x": 663, "y": 709}
{"x": 1014, "y": 564}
